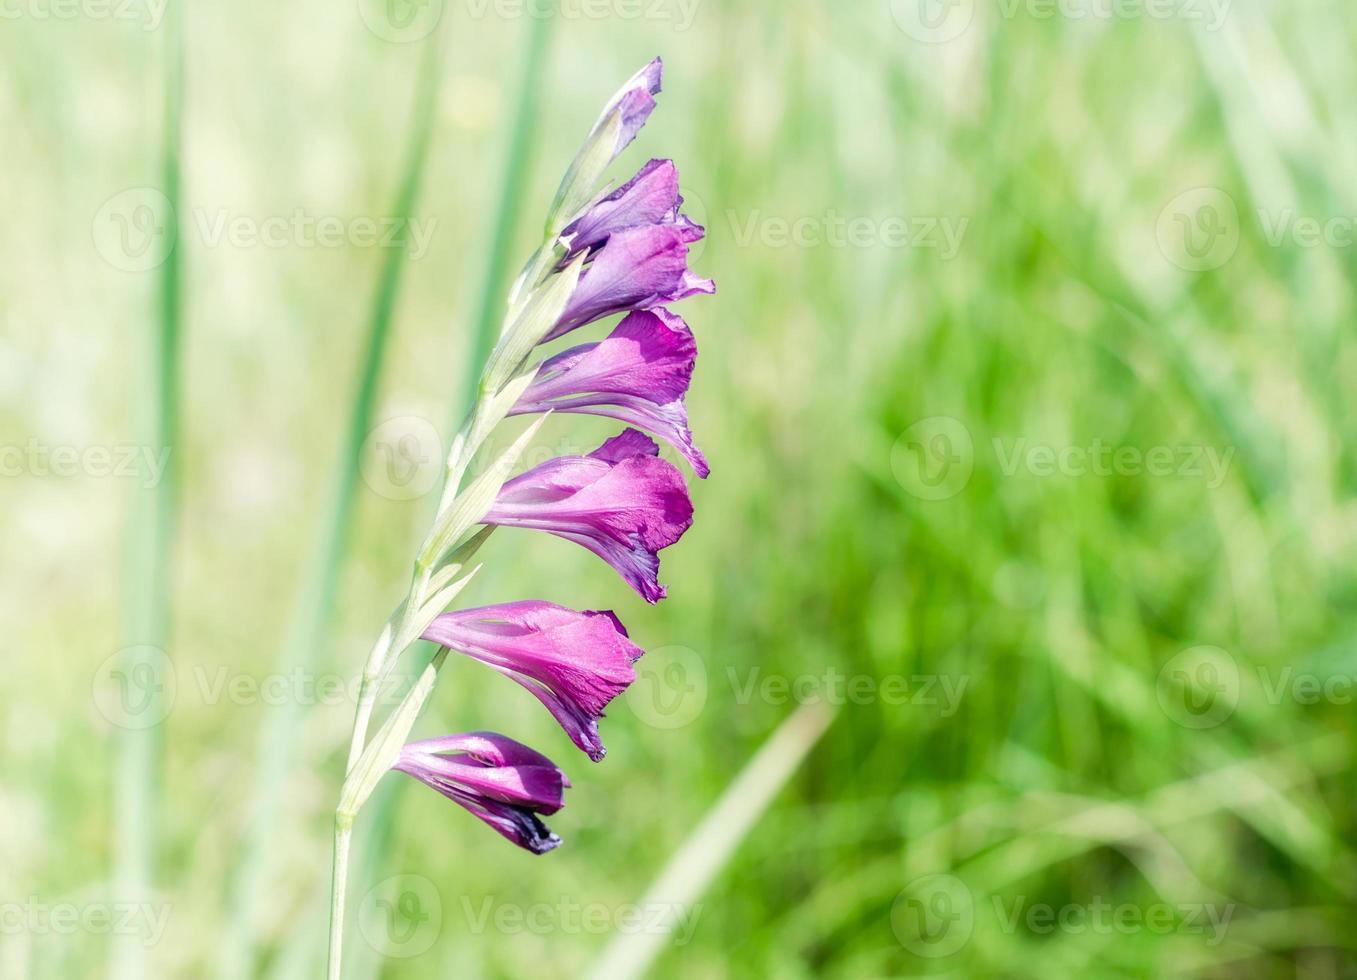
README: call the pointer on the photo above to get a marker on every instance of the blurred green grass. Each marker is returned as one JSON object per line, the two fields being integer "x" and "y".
{"x": 1064, "y": 777}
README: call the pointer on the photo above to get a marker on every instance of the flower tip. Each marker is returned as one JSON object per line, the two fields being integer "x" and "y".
{"x": 543, "y": 844}
{"x": 653, "y": 74}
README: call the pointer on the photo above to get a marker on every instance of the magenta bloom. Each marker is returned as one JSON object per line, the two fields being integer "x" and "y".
{"x": 636, "y": 102}
{"x": 638, "y": 268}
{"x": 622, "y": 502}
{"x": 503, "y": 782}
{"x": 573, "y": 662}
{"x": 650, "y": 198}
{"x": 638, "y": 375}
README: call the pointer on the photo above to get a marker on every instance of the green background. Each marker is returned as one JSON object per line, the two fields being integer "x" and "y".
{"x": 1055, "y": 515}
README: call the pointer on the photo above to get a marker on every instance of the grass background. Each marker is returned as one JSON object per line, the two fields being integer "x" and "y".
{"x": 1069, "y": 774}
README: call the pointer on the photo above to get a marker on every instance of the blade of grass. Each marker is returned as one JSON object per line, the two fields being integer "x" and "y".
{"x": 136, "y": 791}
{"x": 307, "y": 629}
{"x": 700, "y": 858}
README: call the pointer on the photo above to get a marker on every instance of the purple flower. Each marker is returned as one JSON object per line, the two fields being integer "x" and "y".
{"x": 503, "y": 782}
{"x": 638, "y": 375}
{"x": 638, "y": 268}
{"x": 635, "y": 102}
{"x": 622, "y": 502}
{"x": 573, "y": 662}
{"x": 650, "y": 198}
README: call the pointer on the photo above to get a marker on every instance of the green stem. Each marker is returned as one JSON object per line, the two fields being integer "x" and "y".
{"x": 518, "y": 155}
{"x": 340, "y": 874}
{"x": 307, "y": 631}
{"x": 136, "y": 788}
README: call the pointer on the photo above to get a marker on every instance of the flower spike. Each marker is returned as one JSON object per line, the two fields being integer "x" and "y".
{"x": 604, "y": 252}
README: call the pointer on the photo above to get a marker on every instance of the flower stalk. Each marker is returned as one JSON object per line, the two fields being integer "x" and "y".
{"x": 602, "y": 255}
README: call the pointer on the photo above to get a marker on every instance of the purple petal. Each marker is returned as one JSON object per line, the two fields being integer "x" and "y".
{"x": 621, "y": 502}
{"x": 503, "y": 782}
{"x": 636, "y": 101}
{"x": 575, "y": 663}
{"x": 650, "y": 198}
{"x": 638, "y": 375}
{"x": 639, "y": 268}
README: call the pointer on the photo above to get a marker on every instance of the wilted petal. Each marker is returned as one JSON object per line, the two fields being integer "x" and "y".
{"x": 638, "y": 375}
{"x": 573, "y": 662}
{"x": 639, "y": 268}
{"x": 502, "y": 781}
{"x": 622, "y": 502}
